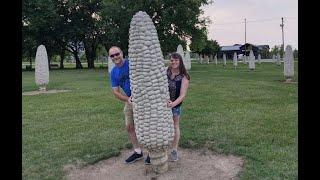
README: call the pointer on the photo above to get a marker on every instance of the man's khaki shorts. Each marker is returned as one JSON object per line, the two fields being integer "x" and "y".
{"x": 128, "y": 113}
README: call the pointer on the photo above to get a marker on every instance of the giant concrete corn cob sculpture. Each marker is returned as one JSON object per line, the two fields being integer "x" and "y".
{"x": 288, "y": 64}
{"x": 41, "y": 68}
{"x": 149, "y": 87}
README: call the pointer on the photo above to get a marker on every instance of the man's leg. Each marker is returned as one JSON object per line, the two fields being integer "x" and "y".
{"x": 128, "y": 111}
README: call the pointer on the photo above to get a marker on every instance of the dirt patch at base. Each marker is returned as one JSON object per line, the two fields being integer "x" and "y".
{"x": 199, "y": 164}
{"x": 31, "y": 93}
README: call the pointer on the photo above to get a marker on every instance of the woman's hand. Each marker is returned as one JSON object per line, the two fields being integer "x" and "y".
{"x": 170, "y": 104}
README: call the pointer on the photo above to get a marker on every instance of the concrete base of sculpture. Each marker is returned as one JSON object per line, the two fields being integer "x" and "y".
{"x": 42, "y": 88}
{"x": 159, "y": 161}
{"x": 289, "y": 81}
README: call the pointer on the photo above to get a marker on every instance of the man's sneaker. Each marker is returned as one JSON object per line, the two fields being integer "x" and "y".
{"x": 147, "y": 160}
{"x": 134, "y": 157}
{"x": 174, "y": 155}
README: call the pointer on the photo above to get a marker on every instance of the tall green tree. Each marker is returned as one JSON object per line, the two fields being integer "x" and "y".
{"x": 37, "y": 18}
{"x": 295, "y": 53}
{"x": 198, "y": 41}
{"x": 275, "y": 49}
{"x": 95, "y": 28}
{"x": 211, "y": 47}
{"x": 175, "y": 21}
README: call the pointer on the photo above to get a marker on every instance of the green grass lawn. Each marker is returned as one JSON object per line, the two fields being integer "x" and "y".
{"x": 252, "y": 114}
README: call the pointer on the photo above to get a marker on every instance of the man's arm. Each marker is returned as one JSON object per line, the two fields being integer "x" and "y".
{"x": 119, "y": 95}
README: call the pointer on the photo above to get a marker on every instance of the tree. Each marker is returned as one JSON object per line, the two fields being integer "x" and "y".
{"x": 175, "y": 21}
{"x": 95, "y": 28}
{"x": 37, "y": 18}
{"x": 275, "y": 50}
{"x": 295, "y": 53}
{"x": 29, "y": 45}
{"x": 211, "y": 47}
{"x": 198, "y": 40}
{"x": 69, "y": 25}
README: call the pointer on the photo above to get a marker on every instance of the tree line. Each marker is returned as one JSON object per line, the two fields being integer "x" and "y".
{"x": 279, "y": 49}
{"x": 85, "y": 25}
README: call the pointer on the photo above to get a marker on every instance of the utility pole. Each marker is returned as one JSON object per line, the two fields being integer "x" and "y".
{"x": 281, "y": 25}
{"x": 245, "y": 39}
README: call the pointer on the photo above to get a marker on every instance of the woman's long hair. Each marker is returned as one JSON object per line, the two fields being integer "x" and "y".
{"x": 182, "y": 68}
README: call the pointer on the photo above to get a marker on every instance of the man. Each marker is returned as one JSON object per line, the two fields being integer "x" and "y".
{"x": 119, "y": 77}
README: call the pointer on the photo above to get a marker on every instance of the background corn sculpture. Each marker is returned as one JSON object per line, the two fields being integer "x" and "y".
{"x": 41, "y": 68}
{"x": 235, "y": 60}
{"x": 149, "y": 86}
{"x": 224, "y": 60}
{"x": 252, "y": 64}
{"x": 288, "y": 64}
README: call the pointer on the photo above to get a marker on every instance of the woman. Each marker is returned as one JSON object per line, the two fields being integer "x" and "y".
{"x": 178, "y": 78}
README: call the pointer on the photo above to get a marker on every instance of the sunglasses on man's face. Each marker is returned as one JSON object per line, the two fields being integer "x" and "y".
{"x": 114, "y": 55}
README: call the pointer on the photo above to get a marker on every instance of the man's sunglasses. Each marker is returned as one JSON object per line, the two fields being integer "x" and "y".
{"x": 113, "y": 55}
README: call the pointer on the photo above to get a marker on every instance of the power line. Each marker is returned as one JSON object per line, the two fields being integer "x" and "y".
{"x": 228, "y": 23}
{"x": 264, "y": 20}
{"x": 253, "y": 21}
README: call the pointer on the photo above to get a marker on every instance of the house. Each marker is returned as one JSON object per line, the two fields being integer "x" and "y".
{"x": 263, "y": 50}
{"x": 247, "y": 47}
{"x": 229, "y": 51}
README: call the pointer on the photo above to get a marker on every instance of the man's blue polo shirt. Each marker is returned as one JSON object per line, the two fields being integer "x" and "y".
{"x": 120, "y": 77}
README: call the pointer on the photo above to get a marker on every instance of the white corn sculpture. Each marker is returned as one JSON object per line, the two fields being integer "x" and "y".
{"x": 41, "y": 68}
{"x": 215, "y": 59}
{"x": 278, "y": 59}
{"x": 180, "y": 50}
{"x": 259, "y": 59}
{"x": 149, "y": 86}
{"x": 288, "y": 64}
{"x": 206, "y": 59}
{"x": 252, "y": 64}
{"x": 273, "y": 58}
{"x": 224, "y": 60}
{"x": 187, "y": 62}
{"x": 235, "y": 60}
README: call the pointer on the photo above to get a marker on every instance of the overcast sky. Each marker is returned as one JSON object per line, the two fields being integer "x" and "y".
{"x": 263, "y": 22}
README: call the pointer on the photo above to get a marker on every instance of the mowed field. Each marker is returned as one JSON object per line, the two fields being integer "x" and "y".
{"x": 252, "y": 114}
